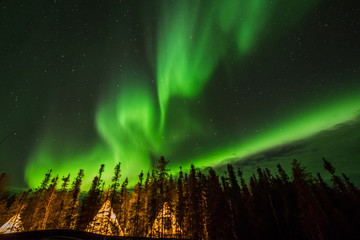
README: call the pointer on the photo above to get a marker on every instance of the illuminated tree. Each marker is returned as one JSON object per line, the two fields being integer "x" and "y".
{"x": 3, "y": 198}
{"x": 91, "y": 201}
{"x": 146, "y": 197}
{"x": 3, "y": 211}
{"x": 123, "y": 206}
{"x": 15, "y": 224}
{"x": 157, "y": 198}
{"x": 57, "y": 213}
{"x": 72, "y": 206}
{"x": 136, "y": 217}
{"x": 3, "y": 183}
{"x": 112, "y": 196}
{"x": 105, "y": 221}
{"x": 165, "y": 224}
{"x": 180, "y": 204}
{"x": 152, "y": 201}
{"x": 34, "y": 210}
{"x": 47, "y": 202}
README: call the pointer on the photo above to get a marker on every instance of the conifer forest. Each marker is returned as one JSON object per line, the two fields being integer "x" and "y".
{"x": 242, "y": 97}
{"x": 192, "y": 205}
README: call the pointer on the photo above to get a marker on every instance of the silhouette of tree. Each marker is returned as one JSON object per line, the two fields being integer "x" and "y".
{"x": 312, "y": 216}
{"x": 195, "y": 221}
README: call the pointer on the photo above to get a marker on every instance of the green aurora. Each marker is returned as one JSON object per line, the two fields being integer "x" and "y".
{"x": 158, "y": 109}
{"x": 135, "y": 143}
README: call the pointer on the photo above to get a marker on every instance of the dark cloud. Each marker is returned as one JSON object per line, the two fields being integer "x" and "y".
{"x": 340, "y": 145}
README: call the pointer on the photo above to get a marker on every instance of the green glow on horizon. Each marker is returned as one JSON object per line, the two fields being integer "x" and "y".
{"x": 125, "y": 122}
{"x": 64, "y": 159}
{"x": 68, "y": 160}
{"x": 295, "y": 127}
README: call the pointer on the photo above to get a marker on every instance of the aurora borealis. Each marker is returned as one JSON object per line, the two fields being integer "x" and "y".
{"x": 251, "y": 83}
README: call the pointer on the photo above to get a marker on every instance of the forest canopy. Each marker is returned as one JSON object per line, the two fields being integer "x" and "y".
{"x": 193, "y": 204}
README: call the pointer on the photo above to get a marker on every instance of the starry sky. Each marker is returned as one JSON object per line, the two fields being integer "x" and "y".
{"x": 251, "y": 83}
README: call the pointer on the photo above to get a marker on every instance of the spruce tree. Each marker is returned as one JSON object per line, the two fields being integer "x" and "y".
{"x": 57, "y": 210}
{"x": 180, "y": 204}
{"x": 137, "y": 209}
{"x": 72, "y": 208}
{"x": 91, "y": 203}
{"x": 49, "y": 197}
{"x": 312, "y": 217}
{"x": 32, "y": 212}
{"x": 195, "y": 220}
{"x": 123, "y": 206}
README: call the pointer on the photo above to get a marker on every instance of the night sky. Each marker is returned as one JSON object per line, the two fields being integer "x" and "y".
{"x": 252, "y": 83}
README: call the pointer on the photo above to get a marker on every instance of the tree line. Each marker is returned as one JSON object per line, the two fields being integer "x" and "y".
{"x": 195, "y": 205}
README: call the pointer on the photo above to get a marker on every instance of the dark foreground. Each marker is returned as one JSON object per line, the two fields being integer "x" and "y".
{"x": 63, "y": 235}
